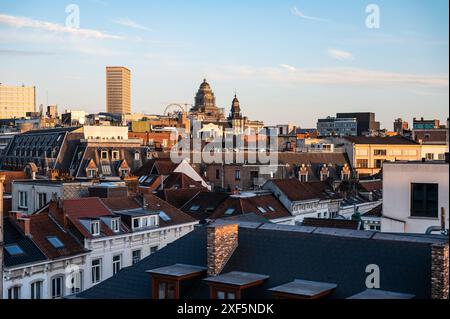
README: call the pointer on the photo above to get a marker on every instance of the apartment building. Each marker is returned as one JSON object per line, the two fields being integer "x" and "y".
{"x": 16, "y": 101}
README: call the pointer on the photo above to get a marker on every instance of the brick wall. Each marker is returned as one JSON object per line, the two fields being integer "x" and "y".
{"x": 222, "y": 241}
{"x": 440, "y": 271}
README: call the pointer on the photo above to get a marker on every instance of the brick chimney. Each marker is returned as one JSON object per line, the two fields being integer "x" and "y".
{"x": 23, "y": 221}
{"x": 439, "y": 271}
{"x": 222, "y": 242}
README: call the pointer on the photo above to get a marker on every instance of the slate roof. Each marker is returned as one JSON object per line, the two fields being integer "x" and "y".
{"x": 332, "y": 223}
{"x": 375, "y": 212}
{"x": 179, "y": 197}
{"x": 302, "y": 253}
{"x": 13, "y": 235}
{"x": 180, "y": 181}
{"x": 207, "y": 203}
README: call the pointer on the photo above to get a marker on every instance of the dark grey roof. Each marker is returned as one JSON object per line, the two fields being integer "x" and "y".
{"x": 380, "y": 294}
{"x": 13, "y": 236}
{"x": 339, "y": 257}
{"x": 136, "y": 213}
{"x": 305, "y": 288}
{"x": 177, "y": 270}
{"x": 237, "y": 278}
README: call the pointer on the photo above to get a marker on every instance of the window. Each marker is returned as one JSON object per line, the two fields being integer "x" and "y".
{"x": 271, "y": 209}
{"x": 379, "y": 163}
{"x": 224, "y": 295}
{"x": 217, "y": 174}
{"x": 153, "y": 249}
{"x": 137, "y": 156}
{"x": 237, "y": 175}
{"x": 229, "y": 211}
{"x": 91, "y": 173}
{"x": 424, "y": 200}
{"x": 362, "y": 163}
{"x": 56, "y": 243}
{"x": 166, "y": 290}
{"x": 194, "y": 208}
{"x": 115, "y": 155}
{"x": 96, "y": 268}
{"x": 23, "y": 200}
{"x": 164, "y": 217}
{"x": 303, "y": 178}
{"x": 104, "y": 155}
{"x": 14, "y": 293}
{"x": 117, "y": 264}
{"x": 136, "y": 223}
{"x": 42, "y": 200}
{"x": 36, "y": 290}
{"x": 95, "y": 228}
{"x": 262, "y": 209}
{"x": 106, "y": 169}
{"x": 115, "y": 225}
{"x": 57, "y": 287}
{"x": 429, "y": 156}
{"x": 441, "y": 157}
{"x": 136, "y": 256}
{"x": 380, "y": 153}
{"x": 14, "y": 250}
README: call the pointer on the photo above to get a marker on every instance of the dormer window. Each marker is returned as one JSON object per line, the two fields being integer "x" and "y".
{"x": 104, "y": 155}
{"x": 115, "y": 225}
{"x": 124, "y": 172}
{"x": 95, "y": 228}
{"x": 115, "y": 155}
{"x": 91, "y": 173}
{"x": 137, "y": 156}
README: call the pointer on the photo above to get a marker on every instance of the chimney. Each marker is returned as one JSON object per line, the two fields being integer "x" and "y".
{"x": 23, "y": 221}
{"x": 222, "y": 241}
{"x": 439, "y": 271}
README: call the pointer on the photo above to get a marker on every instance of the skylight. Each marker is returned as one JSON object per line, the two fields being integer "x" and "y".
{"x": 164, "y": 217}
{"x": 56, "y": 243}
{"x": 195, "y": 208}
{"x": 271, "y": 208}
{"x": 14, "y": 250}
{"x": 229, "y": 211}
{"x": 262, "y": 209}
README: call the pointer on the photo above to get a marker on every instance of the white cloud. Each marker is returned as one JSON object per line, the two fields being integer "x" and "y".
{"x": 295, "y": 11}
{"x": 23, "y": 22}
{"x": 288, "y": 67}
{"x": 340, "y": 55}
{"x": 333, "y": 76}
{"x": 131, "y": 24}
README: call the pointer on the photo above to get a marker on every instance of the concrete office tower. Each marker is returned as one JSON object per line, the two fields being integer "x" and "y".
{"x": 16, "y": 101}
{"x": 118, "y": 90}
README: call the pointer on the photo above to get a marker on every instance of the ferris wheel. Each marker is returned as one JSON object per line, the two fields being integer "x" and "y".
{"x": 176, "y": 108}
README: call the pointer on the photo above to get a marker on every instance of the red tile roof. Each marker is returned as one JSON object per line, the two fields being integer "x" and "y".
{"x": 154, "y": 203}
{"x": 246, "y": 205}
{"x": 42, "y": 226}
{"x": 123, "y": 203}
{"x": 297, "y": 191}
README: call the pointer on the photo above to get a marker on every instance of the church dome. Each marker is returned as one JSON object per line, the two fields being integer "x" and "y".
{"x": 205, "y": 86}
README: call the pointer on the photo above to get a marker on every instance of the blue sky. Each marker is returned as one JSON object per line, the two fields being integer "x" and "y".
{"x": 290, "y": 61}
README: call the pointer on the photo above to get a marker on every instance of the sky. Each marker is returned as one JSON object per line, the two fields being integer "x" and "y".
{"x": 288, "y": 61}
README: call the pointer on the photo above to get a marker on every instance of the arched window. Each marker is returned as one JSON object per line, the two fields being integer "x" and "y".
{"x": 36, "y": 289}
{"x": 14, "y": 292}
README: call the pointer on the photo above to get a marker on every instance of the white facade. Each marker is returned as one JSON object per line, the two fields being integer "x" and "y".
{"x": 105, "y": 132}
{"x": 434, "y": 152}
{"x": 30, "y": 196}
{"x": 24, "y": 276}
{"x": 147, "y": 242}
{"x": 398, "y": 179}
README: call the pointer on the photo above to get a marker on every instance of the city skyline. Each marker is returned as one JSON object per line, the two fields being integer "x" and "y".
{"x": 282, "y": 56}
